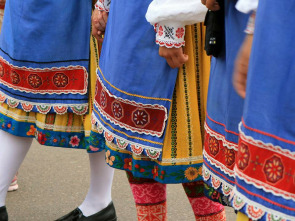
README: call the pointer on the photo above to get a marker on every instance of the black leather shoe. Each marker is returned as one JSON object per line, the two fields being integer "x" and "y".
{"x": 107, "y": 214}
{"x": 3, "y": 214}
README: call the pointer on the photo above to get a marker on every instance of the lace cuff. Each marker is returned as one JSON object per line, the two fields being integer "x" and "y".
{"x": 170, "y": 36}
{"x": 103, "y": 5}
{"x": 251, "y": 24}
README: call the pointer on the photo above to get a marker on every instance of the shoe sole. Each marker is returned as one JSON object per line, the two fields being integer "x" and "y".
{"x": 13, "y": 188}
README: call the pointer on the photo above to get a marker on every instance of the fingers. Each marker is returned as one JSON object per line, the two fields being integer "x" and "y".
{"x": 203, "y": 2}
{"x": 174, "y": 56}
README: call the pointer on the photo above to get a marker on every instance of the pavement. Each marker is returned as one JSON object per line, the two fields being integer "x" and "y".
{"x": 54, "y": 181}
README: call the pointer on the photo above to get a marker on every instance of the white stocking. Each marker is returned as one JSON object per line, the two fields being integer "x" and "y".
{"x": 13, "y": 150}
{"x": 99, "y": 194}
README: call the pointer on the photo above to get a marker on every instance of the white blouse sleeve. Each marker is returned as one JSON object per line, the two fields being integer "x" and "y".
{"x": 169, "y": 18}
{"x": 103, "y": 5}
{"x": 247, "y": 6}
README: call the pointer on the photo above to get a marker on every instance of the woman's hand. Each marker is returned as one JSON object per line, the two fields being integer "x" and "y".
{"x": 99, "y": 22}
{"x": 174, "y": 56}
{"x": 241, "y": 67}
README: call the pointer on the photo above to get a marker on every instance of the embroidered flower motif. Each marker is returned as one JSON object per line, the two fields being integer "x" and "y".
{"x": 117, "y": 110}
{"x": 74, "y": 141}
{"x": 110, "y": 159}
{"x": 155, "y": 171}
{"x": 41, "y": 138}
{"x": 160, "y": 31}
{"x": 15, "y": 78}
{"x": 229, "y": 156}
{"x": 34, "y": 80}
{"x": 54, "y": 140}
{"x": 2, "y": 71}
{"x": 191, "y": 173}
{"x": 128, "y": 164}
{"x": 213, "y": 146}
{"x": 274, "y": 169}
{"x": 140, "y": 118}
{"x": 31, "y": 131}
{"x": 60, "y": 80}
{"x": 103, "y": 99}
{"x": 243, "y": 156}
{"x": 180, "y": 32}
{"x": 162, "y": 175}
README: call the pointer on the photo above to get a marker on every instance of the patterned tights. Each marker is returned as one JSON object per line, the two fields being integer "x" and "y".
{"x": 150, "y": 200}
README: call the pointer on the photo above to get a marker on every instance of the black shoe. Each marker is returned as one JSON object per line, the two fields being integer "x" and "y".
{"x": 3, "y": 214}
{"x": 107, "y": 214}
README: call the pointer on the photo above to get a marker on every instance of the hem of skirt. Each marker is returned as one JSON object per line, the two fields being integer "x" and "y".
{"x": 152, "y": 170}
{"x": 254, "y": 210}
{"x": 43, "y": 108}
{"x": 123, "y": 144}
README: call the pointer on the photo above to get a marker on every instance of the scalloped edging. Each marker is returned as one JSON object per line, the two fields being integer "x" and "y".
{"x": 217, "y": 182}
{"x": 121, "y": 143}
{"x": 44, "y": 108}
{"x": 254, "y": 210}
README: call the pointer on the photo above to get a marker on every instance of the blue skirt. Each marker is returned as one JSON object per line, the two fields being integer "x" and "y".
{"x": 135, "y": 85}
{"x": 224, "y": 109}
{"x": 265, "y": 168}
{"x": 44, "y": 55}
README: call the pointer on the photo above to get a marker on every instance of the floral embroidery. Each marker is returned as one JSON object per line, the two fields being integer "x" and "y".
{"x": 74, "y": 141}
{"x": 41, "y": 137}
{"x": 191, "y": 173}
{"x": 2, "y": 71}
{"x": 94, "y": 149}
{"x": 31, "y": 131}
{"x": 54, "y": 141}
{"x": 274, "y": 169}
{"x": 15, "y": 77}
{"x": 109, "y": 159}
{"x": 60, "y": 80}
{"x": 155, "y": 171}
{"x": 140, "y": 118}
{"x": 243, "y": 156}
{"x": 229, "y": 157}
{"x": 180, "y": 32}
{"x": 34, "y": 80}
{"x": 213, "y": 146}
{"x": 128, "y": 164}
{"x": 117, "y": 110}
{"x": 160, "y": 31}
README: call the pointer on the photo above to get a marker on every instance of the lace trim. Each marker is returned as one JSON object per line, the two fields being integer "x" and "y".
{"x": 43, "y": 108}
{"x": 103, "y": 5}
{"x": 169, "y": 36}
{"x": 120, "y": 116}
{"x": 183, "y": 160}
{"x": 217, "y": 182}
{"x": 254, "y": 210}
{"x": 122, "y": 144}
{"x": 56, "y": 80}
{"x": 228, "y": 144}
{"x": 267, "y": 146}
{"x": 219, "y": 165}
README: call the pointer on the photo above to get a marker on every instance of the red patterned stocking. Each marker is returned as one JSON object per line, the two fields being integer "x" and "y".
{"x": 204, "y": 209}
{"x": 149, "y": 197}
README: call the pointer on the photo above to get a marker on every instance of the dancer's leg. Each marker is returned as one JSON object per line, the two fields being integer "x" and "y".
{"x": 99, "y": 195}
{"x": 13, "y": 150}
{"x": 149, "y": 197}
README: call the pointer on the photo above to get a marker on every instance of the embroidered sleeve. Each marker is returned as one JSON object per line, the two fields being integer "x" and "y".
{"x": 169, "y": 35}
{"x": 251, "y": 24}
{"x": 103, "y": 5}
{"x": 247, "y": 6}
